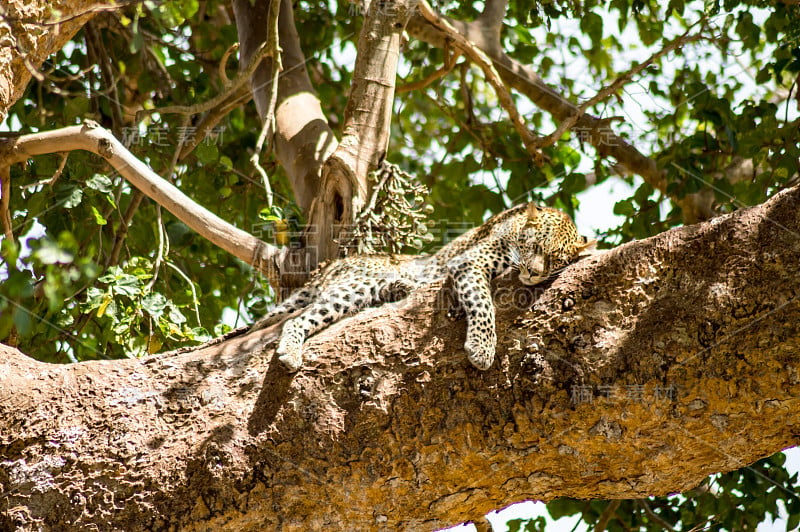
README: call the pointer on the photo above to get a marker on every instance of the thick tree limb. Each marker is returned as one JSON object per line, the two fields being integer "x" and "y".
{"x": 367, "y": 122}
{"x": 303, "y": 138}
{"x": 29, "y": 34}
{"x": 91, "y": 137}
{"x": 637, "y": 372}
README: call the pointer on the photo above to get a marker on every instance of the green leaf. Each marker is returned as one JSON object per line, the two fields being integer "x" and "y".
{"x": 22, "y": 321}
{"x": 122, "y": 283}
{"x": 101, "y": 183}
{"x": 69, "y": 196}
{"x": 98, "y": 218}
{"x": 563, "y": 507}
{"x": 592, "y": 25}
{"x": 206, "y": 152}
{"x": 175, "y": 315}
{"x": 154, "y": 303}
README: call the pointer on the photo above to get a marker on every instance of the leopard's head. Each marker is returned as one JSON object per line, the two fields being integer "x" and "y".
{"x": 548, "y": 241}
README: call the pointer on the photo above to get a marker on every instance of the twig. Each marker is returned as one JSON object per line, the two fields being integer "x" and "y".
{"x": 195, "y": 301}
{"x": 223, "y": 63}
{"x": 268, "y": 129}
{"x": 449, "y": 64}
{"x": 606, "y": 516}
{"x": 225, "y": 94}
{"x": 59, "y": 170}
{"x": 617, "y": 84}
{"x": 5, "y": 200}
{"x": 94, "y": 40}
{"x": 163, "y": 243}
{"x": 655, "y": 517}
{"x": 482, "y": 60}
{"x": 212, "y": 118}
{"x": 136, "y": 200}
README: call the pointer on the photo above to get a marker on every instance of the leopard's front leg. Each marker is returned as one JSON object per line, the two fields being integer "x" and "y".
{"x": 328, "y": 308}
{"x": 474, "y": 293}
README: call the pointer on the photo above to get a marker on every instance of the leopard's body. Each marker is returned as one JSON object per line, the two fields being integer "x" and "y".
{"x": 537, "y": 240}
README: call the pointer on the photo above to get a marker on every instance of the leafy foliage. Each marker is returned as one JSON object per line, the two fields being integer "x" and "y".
{"x": 102, "y": 275}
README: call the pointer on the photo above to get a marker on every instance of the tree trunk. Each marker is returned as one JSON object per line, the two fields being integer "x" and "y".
{"x": 637, "y": 372}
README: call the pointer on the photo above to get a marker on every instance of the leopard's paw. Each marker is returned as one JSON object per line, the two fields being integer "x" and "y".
{"x": 480, "y": 354}
{"x": 290, "y": 353}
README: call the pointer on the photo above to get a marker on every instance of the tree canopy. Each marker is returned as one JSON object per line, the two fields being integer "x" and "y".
{"x": 694, "y": 104}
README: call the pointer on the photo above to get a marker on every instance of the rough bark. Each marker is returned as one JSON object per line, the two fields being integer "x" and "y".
{"x": 367, "y": 120}
{"x": 31, "y": 30}
{"x": 636, "y": 372}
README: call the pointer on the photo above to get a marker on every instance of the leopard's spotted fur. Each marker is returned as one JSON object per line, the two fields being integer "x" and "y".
{"x": 537, "y": 240}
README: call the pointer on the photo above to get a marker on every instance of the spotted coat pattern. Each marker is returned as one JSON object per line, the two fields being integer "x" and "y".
{"x": 536, "y": 240}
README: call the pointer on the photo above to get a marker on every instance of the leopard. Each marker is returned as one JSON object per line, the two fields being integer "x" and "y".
{"x": 536, "y": 241}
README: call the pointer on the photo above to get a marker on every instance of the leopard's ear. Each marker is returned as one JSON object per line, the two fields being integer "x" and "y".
{"x": 532, "y": 211}
{"x": 586, "y": 246}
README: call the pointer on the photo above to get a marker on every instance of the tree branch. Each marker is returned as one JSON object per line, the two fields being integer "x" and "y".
{"x": 91, "y": 137}
{"x": 268, "y": 129}
{"x": 591, "y": 129}
{"x": 5, "y": 202}
{"x": 475, "y": 54}
{"x": 303, "y": 138}
{"x": 695, "y": 331}
{"x": 367, "y": 122}
{"x": 449, "y": 63}
{"x": 617, "y": 84}
{"x": 227, "y": 93}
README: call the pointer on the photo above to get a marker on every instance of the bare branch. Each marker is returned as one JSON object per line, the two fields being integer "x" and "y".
{"x": 449, "y": 64}
{"x": 303, "y": 138}
{"x": 125, "y": 222}
{"x": 617, "y": 84}
{"x": 268, "y": 129}
{"x": 594, "y": 130}
{"x": 211, "y": 119}
{"x": 223, "y": 63}
{"x": 5, "y": 201}
{"x": 655, "y": 517}
{"x": 525, "y": 80}
{"x": 59, "y": 170}
{"x": 225, "y": 95}
{"x": 91, "y": 137}
{"x": 484, "y": 62}
{"x": 606, "y": 516}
